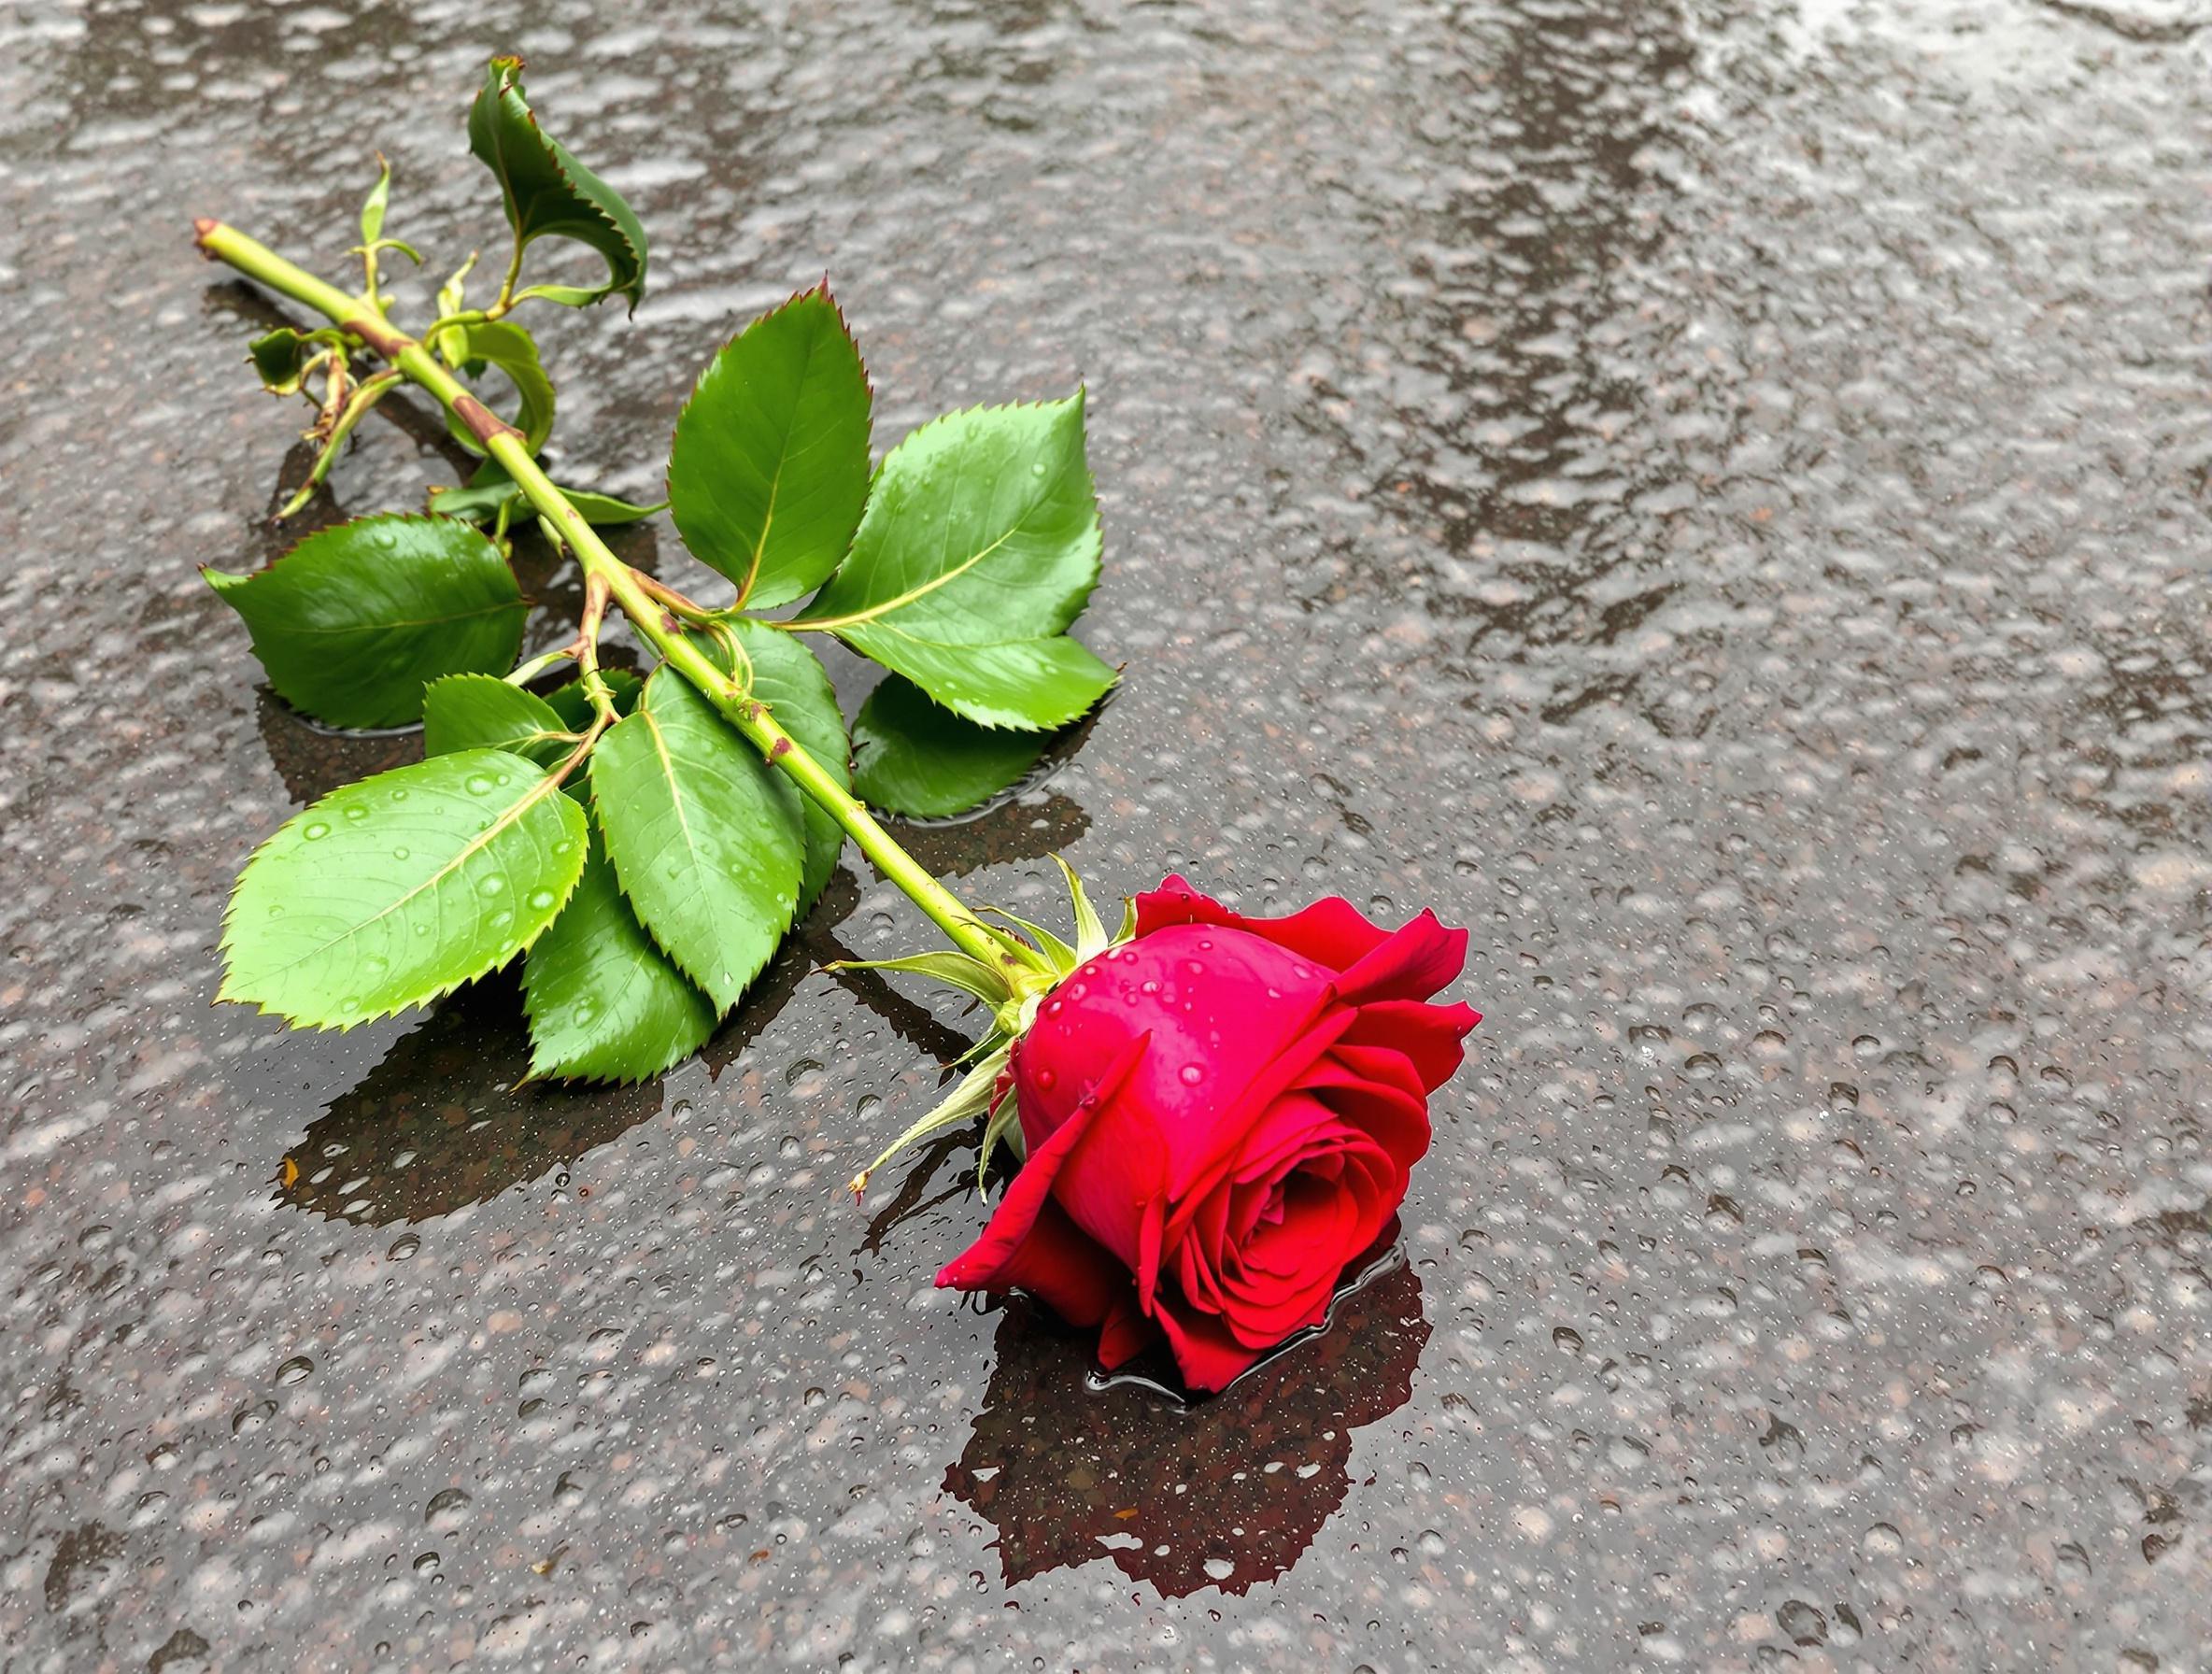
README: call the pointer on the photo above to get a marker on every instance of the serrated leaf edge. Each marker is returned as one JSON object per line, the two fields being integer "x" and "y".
{"x": 511, "y": 81}
{"x": 819, "y": 287}
{"x": 539, "y": 1070}
{"x": 875, "y": 614}
{"x": 521, "y": 950}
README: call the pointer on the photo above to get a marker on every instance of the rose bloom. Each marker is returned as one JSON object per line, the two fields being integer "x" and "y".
{"x": 1220, "y": 1116}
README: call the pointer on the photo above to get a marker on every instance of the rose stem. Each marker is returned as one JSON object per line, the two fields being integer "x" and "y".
{"x": 360, "y": 317}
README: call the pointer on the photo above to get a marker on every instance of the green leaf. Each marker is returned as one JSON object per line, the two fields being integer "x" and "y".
{"x": 503, "y": 344}
{"x": 979, "y": 546}
{"x": 353, "y": 621}
{"x": 792, "y": 681}
{"x": 452, "y": 341}
{"x": 769, "y": 468}
{"x": 490, "y": 488}
{"x": 568, "y": 296}
{"x": 705, "y": 837}
{"x": 390, "y": 892}
{"x": 548, "y": 193}
{"x": 605, "y": 1002}
{"x": 574, "y": 708}
{"x": 1032, "y": 685}
{"x": 916, "y": 758}
{"x": 472, "y": 712}
{"x": 372, "y": 209}
{"x": 280, "y": 357}
{"x": 604, "y": 511}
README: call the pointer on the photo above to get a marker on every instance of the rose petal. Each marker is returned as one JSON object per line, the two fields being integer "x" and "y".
{"x": 1331, "y": 932}
{"x": 1428, "y": 1035}
{"x": 1397, "y": 1119}
{"x": 1198, "y": 1171}
{"x": 1207, "y": 1355}
{"x": 1412, "y": 964}
{"x": 976, "y": 1268}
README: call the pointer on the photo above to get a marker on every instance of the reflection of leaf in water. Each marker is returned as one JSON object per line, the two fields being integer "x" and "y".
{"x": 1003, "y": 832}
{"x": 440, "y": 1123}
{"x": 1226, "y": 1493}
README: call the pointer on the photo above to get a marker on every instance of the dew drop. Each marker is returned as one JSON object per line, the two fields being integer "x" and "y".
{"x": 492, "y": 886}
{"x": 293, "y": 1369}
{"x": 398, "y": 854}
{"x": 540, "y": 900}
{"x": 479, "y": 785}
{"x": 446, "y": 1504}
{"x": 404, "y": 1248}
{"x": 1052, "y": 1008}
{"x": 1046, "y": 1079}
{"x": 1192, "y": 1075}
{"x": 316, "y": 830}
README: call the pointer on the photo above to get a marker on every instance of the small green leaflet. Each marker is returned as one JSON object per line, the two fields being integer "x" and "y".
{"x": 605, "y": 1002}
{"x": 475, "y": 712}
{"x": 490, "y": 488}
{"x": 503, "y": 344}
{"x": 548, "y": 193}
{"x": 913, "y": 757}
{"x": 769, "y": 468}
{"x": 706, "y": 838}
{"x": 392, "y": 891}
{"x": 979, "y": 545}
{"x": 574, "y": 706}
{"x": 373, "y": 207}
{"x": 353, "y": 621}
{"x": 792, "y": 681}
{"x": 280, "y": 357}
{"x": 453, "y": 339}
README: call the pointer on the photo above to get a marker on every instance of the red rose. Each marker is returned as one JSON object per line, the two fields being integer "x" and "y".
{"x": 1220, "y": 1114}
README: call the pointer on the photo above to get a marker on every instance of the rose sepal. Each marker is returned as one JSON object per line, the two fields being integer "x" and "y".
{"x": 1014, "y": 992}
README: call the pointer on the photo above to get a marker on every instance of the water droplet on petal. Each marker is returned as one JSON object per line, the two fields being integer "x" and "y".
{"x": 293, "y": 1369}
{"x": 1192, "y": 1075}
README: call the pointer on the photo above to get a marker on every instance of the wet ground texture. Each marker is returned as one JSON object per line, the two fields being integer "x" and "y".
{"x": 1711, "y": 496}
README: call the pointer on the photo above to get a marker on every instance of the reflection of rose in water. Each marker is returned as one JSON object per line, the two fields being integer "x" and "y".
{"x": 1227, "y": 1492}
